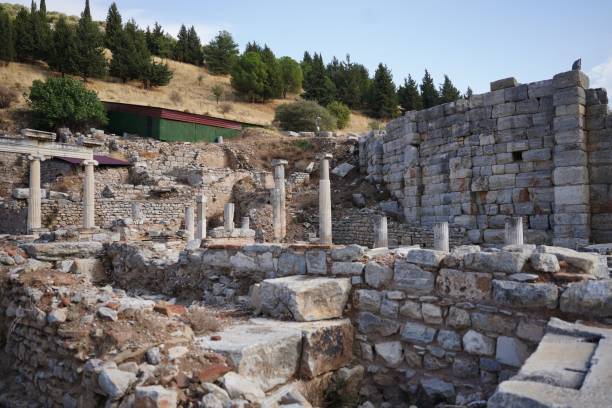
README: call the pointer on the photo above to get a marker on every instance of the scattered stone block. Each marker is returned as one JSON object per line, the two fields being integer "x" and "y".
{"x": 114, "y": 382}
{"x": 240, "y": 387}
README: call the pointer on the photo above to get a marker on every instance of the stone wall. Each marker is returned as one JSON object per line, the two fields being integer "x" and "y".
{"x": 431, "y": 326}
{"x": 519, "y": 150}
{"x": 13, "y": 172}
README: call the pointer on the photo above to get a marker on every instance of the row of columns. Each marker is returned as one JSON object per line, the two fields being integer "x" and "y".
{"x": 196, "y": 226}
{"x": 34, "y": 201}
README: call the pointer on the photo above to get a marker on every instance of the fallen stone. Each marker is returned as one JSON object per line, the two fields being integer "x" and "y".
{"x": 114, "y": 382}
{"x": 238, "y": 386}
{"x": 155, "y": 396}
{"x": 342, "y": 169}
{"x": 57, "y": 315}
{"x": 585, "y": 262}
{"x": 214, "y": 395}
{"x": 304, "y": 298}
{"x": 107, "y": 313}
{"x": 153, "y": 356}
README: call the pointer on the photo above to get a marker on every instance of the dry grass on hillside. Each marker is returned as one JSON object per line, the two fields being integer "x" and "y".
{"x": 190, "y": 90}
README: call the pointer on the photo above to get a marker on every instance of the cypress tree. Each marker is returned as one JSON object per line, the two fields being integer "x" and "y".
{"x": 273, "y": 87}
{"x": 383, "y": 97}
{"x": 24, "y": 39}
{"x": 408, "y": 95}
{"x": 306, "y": 63}
{"x": 194, "y": 47}
{"x": 89, "y": 59}
{"x": 181, "y": 49}
{"x": 131, "y": 57}
{"x": 253, "y": 47}
{"x": 159, "y": 42}
{"x": 429, "y": 93}
{"x": 63, "y": 48}
{"x": 7, "y": 43}
{"x": 448, "y": 92}
{"x": 317, "y": 84}
{"x": 113, "y": 27}
{"x": 220, "y": 53}
{"x": 42, "y": 31}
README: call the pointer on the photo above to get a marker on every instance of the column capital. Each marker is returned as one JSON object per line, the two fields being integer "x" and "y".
{"x": 90, "y": 163}
{"x": 201, "y": 198}
{"x": 38, "y": 157}
{"x": 325, "y": 156}
{"x": 279, "y": 162}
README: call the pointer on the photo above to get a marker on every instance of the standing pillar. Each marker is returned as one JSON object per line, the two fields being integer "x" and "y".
{"x": 441, "y": 236}
{"x": 275, "y": 198}
{"x": 245, "y": 223}
{"x": 34, "y": 205}
{"x": 381, "y": 239}
{"x": 89, "y": 206}
{"x": 201, "y": 219}
{"x": 189, "y": 222}
{"x": 228, "y": 217}
{"x": 325, "y": 216}
{"x": 514, "y": 231}
{"x": 136, "y": 211}
{"x": 279, "y": 182}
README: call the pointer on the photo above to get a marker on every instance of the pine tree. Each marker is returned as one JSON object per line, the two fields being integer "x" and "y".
{"x": 468, "y": 93}
{"x": 273, "y": 87}
{"x": 351, "y": 81}
{"x": 448, "y": 92}
{"x": 220, "y": 54}
{"x": 194, "y": 48}
{"x": 383, "y": 97}
{"x": 249, "y": 76}
{"x": 131, "y": 57}
{"x": 63, "y": 48}
{"x": 24, "y": 38}
{"x": 408, "y": 95}
{"x": 89, "y": 57}
{"x": 253, "y": 47}
{"x": 159, "y": 43}
{"x": 181, "y": 49}
{"x": 429, "y": 93}
{"x": 306, "y": 63}
{"x": 291, "y": 75}
{"x": 7, "y": 43}
{"x": 317, "y": 84}
{"x": 113, "y": 27}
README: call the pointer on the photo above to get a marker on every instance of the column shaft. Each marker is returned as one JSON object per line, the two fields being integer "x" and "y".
{"x": 34, "y": 204}
{"x": 88, "y": 194}
{"x": 201, "y": 217}
{"x": 381, "y": 239}
{"x": 441, "y": 237}
{"x": 228, "y": 217}
{"x": 325, "y": 214}
{"x": 514, "y": 231}
{"x": 189, "y": 222}
{"x": 275, "y": 199}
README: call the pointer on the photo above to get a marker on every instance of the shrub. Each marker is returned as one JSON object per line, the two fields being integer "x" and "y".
{"x": 7, "y": 97}
{"x": 225, "y": 107}
{"x": 217, "y": 91}
{"x": 341, "y": 112}
{"x": 201, "y": 320}
{"x": 157, "y": 74}
{"x": 176, "y": 97}
{"x": 302, "y": 116}
{"x": 65, "y": 102}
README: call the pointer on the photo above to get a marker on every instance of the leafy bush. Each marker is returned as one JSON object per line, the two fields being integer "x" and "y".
{"x": 7, "y": 97}
{"x": 302, "y": 144}
{"x": 302, "y": 116}
{"x": 341, "y": 112}
{"x": 65, "y": 102}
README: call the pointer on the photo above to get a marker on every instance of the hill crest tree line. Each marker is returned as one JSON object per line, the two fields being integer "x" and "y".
{"x": 257, "y": 75}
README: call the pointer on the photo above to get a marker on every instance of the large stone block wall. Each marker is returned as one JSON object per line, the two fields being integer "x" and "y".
{"x": 13, "y": 172}
{"x": 515, "y": 151}
{"x": 431, "y": 326}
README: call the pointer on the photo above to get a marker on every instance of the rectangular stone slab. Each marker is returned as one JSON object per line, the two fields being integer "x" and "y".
{"x": 303, "y": 298}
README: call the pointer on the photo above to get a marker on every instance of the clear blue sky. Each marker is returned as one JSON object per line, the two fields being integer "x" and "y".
{"x": 473, "y": 41}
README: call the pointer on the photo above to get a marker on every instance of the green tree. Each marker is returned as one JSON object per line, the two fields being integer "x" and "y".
{"x": 7, "y": 43}
{"x": 341, "y": 112}
{"x": 157, "y": 74}
{"x": 273, "y": 86}
{"x": 131, "y": 58}
{"x": 448, "y": 92}
{"x": 181, "y": 49}
{"x": 65, "y": 102}
{"x": 317, "y": 84}
{"x": 253, "y": 47}
{"x": 217, "y": 91}
{"x": 249, "y": 76}
{"x": 62, "y": 57}
{"x": 306, "y": 63}
{"x": 41, "y": 30}
{"x": 302, "y": 116}
{"x": 383, "y": 97}
{"x": 408, "y": 95}
{"x": 113, "y": 28}
{"x": 24, "y": 38}
{"x": 89, "y": 59}
{"x": 429, "y": 93}
{"x": 468, "y": 93}
{"x": 220, "y": 54}
{"x": 291, "y": 75}
{"x": 194, "y": 48}
{"x": 351, "y": 81}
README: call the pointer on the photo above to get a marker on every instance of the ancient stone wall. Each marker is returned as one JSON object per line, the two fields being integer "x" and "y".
{"x": 13, "y": 172}
{"x": 430, "y": 325}
{"x": 519, "y": 150}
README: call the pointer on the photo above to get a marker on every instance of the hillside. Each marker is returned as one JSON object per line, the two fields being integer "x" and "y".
{"x": 190, "y": 90}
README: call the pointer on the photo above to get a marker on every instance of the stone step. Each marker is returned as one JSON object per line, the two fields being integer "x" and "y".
{"x": 303, "y": 298}
{"x": 272, "y": 353}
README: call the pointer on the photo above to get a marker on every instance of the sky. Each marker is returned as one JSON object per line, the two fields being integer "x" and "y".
{"x": 474, "y": 42}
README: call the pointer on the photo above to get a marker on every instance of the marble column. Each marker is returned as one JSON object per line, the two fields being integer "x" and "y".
{"x": 189, "y": 222}
{"x": 514, "y": 231}
{"x": 441, "y": 237}
{"x": 201, "y": 217}
{"x": 245, "y": 223}
{"x": 325, "y": 215}
{"x": 381, "y": 239}
{"x": 279, "y": 182}
{"x": 89, "y": 206}
{"x": 136, "y": 211}
{"x": 228, "y": 217}
{"x": 34, "y": 204}
{"x": 275, "y": 199}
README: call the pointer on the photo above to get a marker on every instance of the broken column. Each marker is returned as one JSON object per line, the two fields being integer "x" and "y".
{"x": 244, "y": 223}
{"x": 325, "y": 216}
{"x": 441, "y": 236}
{"x": 201, "y": 216}
{"x": 228, "y": 217}
{"x": 136, "y": 211}
{"x": 381, "y": 239}
{"x": 279, "y": 182}
{"x": 88, "y": 194}
{"x": 34, "y": 205}
{"x": 275, "y": 200}
{"x": 189, "y": 222}
{"x": 514, "y": 231}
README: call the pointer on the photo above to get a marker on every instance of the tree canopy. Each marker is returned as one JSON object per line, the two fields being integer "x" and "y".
{"x": 220, "y": 54}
